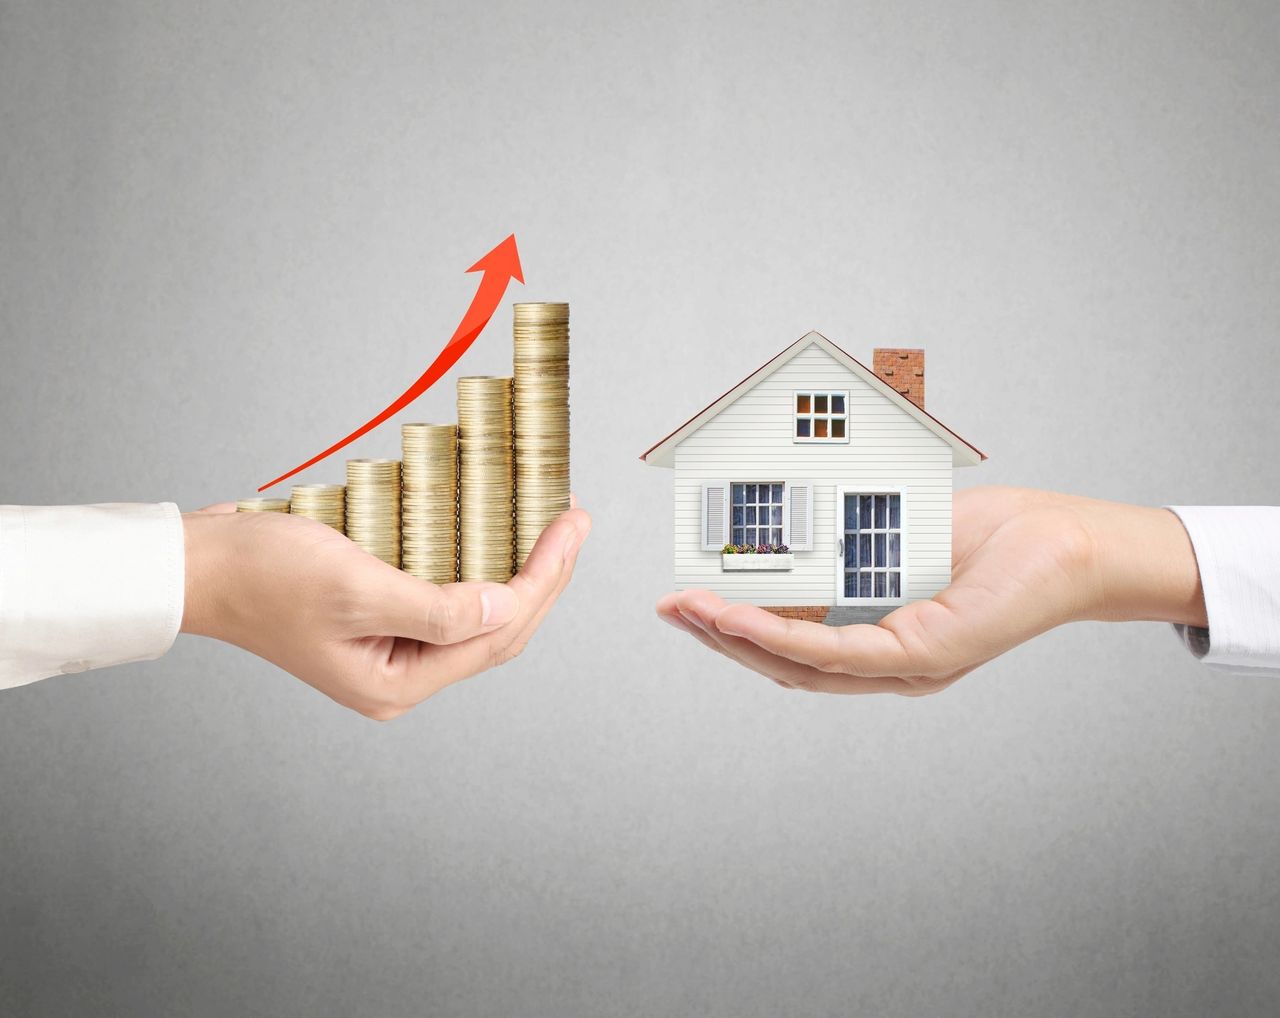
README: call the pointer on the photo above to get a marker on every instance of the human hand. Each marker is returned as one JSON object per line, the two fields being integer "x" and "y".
{"x": 1023, "y": 562}
{"x": 373, "y": 638}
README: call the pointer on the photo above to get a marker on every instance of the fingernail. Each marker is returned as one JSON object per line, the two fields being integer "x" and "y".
{"x": 693, "y": 620}
{"x": 498, "y": 606}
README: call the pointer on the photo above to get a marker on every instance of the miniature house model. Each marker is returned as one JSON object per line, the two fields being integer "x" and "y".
{"x": 830, "y": 472}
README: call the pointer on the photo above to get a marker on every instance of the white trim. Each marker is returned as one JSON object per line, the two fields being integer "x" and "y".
{"x": 748, "y": 563}
{"x": 873, "y": 488}
{"x": 963, "y": 454}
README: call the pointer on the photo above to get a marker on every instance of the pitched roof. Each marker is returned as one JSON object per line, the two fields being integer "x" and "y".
{"x": 662, "y": 454}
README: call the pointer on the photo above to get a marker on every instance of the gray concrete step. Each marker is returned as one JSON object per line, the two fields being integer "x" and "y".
{"x": 851, "y": 615}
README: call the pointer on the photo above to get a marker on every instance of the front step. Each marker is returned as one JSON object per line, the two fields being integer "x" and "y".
{"x": 851, "y": 615}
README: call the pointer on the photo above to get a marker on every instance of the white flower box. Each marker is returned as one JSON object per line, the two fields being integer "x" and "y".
{"x": 756, "y": 563}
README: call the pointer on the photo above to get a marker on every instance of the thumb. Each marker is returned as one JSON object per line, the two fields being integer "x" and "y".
{"x": 451, "y": 613}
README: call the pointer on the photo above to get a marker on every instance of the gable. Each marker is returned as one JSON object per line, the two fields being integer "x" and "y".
{"x": 812, "y": 362}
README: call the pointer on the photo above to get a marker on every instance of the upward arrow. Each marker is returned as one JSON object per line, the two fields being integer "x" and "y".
{"x": 500, "y": 266}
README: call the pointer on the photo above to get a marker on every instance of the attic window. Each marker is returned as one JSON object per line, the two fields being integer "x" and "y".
{"x": 821, "y": 417}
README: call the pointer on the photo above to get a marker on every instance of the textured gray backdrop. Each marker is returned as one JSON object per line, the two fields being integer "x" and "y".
{"x": 228, "y": 231}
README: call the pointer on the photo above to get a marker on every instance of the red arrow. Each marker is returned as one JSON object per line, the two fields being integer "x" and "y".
{"x": 500, "y": 266}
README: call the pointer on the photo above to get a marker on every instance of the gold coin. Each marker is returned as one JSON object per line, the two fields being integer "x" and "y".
{"x": 429, "y": 501}
{"x": 372, "y": 507}
{"x": 485, "y": 479}
{"x": 540, "y": 334}
{"x": 323, "y": 502}
{"x": 262, "y": 505}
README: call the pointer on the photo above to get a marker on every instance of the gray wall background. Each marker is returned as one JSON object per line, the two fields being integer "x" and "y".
{"x": 230, "y": 231}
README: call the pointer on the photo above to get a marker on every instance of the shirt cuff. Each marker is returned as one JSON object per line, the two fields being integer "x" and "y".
{"x": 1237, "y": 550}
{"x": 87, "y": 586}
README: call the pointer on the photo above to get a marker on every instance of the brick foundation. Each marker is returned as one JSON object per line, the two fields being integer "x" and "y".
{"x": 806, "y": 612}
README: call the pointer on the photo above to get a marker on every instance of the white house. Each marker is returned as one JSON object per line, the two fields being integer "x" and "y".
{"x": 838, "y": 462}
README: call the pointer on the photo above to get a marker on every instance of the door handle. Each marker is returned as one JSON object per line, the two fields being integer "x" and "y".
{"x": 842, "y": 549}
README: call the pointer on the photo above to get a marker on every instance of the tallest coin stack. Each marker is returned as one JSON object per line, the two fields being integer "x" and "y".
{"x": 541, "y": 340}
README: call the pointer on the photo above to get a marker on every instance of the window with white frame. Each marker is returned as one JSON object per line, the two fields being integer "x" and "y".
{"x": 872, "y": 545}
{"x": 821, "y": 417}
{"x": 757, "y": 512}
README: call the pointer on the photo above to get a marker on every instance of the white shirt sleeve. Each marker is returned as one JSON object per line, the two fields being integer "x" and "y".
{"x": 1238, "y": 552}
{"x": 87, "y": 586}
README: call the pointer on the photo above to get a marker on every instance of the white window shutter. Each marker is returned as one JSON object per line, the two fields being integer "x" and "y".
{"x": 799, "y": 516}
{"x": 715, "y": 515}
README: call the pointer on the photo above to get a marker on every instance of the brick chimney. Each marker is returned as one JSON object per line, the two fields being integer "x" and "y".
{"x": 903, "y": 369}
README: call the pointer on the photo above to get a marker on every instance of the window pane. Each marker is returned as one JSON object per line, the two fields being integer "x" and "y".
{"x": 775, "y": 515}
{"x": 850, "y": 584}
{"x": 837, "y": 428}
{"x": 777, "y": 493}
{"x": 895, "y": 511}
{"x": 837, "y": 404}
{"x": 879, "y": 585}
{"x": 737, "y": 537}
{"x": 880, "y": 557}
{"x": 749, "y": 535}
{"x": 895, "y": 551}
{"x": 864, "y": 550}
{"x": 851, "y": 512}
{"x": 881, "y": 502}
{"x": 820, "y": 426}
{"x": 864, "y": 584}
{"x": 820, "y": 404}
{"x": 737, "y": 516}
{"x": 865, "y": 504}
{"x": 738, "y": 491}
{"x": 895, "y": 585}
{"x": 776, "y": 536}
{"x": 802, "y": 404}
{"x": 751, "y": 515}
{"x": 751, "y": 493}
{"x": 802, "y": 427}
{"x": 851, "y": 553}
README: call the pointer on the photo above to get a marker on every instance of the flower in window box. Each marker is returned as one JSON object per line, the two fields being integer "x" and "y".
{"x": 729, "y": 549}
{"x": 781, "y": 549}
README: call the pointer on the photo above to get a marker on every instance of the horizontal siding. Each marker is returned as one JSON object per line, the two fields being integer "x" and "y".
{"x": 750, "y": 440}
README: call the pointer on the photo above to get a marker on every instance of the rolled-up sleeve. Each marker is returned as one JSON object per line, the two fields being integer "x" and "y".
{"x": 1237, "y": 550}
{"x": 87, "y": 586}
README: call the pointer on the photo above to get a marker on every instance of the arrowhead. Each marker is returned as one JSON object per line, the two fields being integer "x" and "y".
{"x": 503, "y": 259}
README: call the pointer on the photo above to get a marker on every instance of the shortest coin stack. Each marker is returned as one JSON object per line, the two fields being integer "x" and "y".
{"x": 373, "y": 507}
{"x": 262, "y": 505}
{"x": 429, "y": 502}
{"x": 323, "y": 502}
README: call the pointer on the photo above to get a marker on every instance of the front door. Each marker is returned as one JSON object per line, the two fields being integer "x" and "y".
{"x": 870, "y": 546}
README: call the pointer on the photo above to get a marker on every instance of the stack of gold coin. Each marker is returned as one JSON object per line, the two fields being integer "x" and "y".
{"x": 323, "y": 502}
{"x": 429, "y": 502}
{"x": 262, "y": 505}
{"x": 373, "y": 507}
{"x": 485, "y": 488}
{"x": 541, "y": 337}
